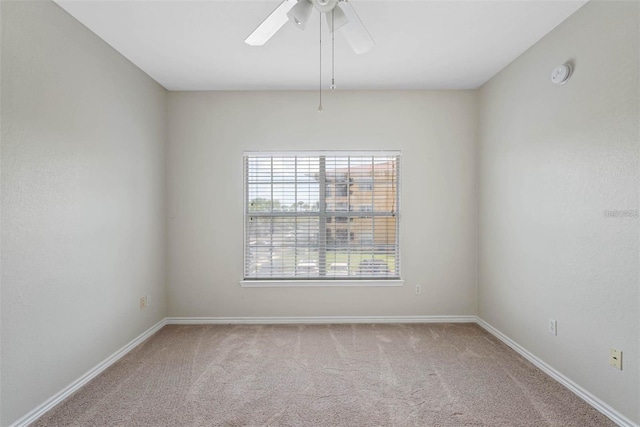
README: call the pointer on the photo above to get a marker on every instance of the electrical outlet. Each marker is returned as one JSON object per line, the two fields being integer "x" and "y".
{"x": 615, "y": 358}
{"x": 553, "y": 326}
{"x": 418, "y": 289}
{"x": 143, "y": 303}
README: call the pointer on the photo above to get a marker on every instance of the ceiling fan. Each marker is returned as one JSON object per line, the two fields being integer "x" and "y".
{"x": 340, "y": 16}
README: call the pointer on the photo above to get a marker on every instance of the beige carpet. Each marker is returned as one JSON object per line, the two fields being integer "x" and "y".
{"x": 323, "y": 375}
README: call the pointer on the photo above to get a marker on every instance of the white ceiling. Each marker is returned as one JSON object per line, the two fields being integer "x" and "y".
{"x": 428, "y": 44}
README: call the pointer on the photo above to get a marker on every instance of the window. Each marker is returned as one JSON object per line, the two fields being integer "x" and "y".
{"x": 305, "y": 220}
{"x": 342, "y": 236}
{"x": 328, "y": 190}
{"x": 366, "y": 238}
{"x": 342, "y": 190}
{"x": 366, "y": 184}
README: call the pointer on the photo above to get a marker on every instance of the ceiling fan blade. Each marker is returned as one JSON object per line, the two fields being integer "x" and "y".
{"x": 336, "y": 19}
{"x": 271, "y": 24}
{"x": 354, "y": 31}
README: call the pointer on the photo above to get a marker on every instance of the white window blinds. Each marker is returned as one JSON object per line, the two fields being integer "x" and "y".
{"x": 322, "y": 216}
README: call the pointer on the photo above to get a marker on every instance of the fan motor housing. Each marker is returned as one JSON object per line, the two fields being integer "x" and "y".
{"x": 324, "y": 5}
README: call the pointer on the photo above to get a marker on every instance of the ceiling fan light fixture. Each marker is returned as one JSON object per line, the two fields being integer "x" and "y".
{"x": 300, "y": 13}
{"x": 340, "y": 19}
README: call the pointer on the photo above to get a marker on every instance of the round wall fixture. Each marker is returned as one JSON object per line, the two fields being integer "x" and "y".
{"x": 560, "y": 75}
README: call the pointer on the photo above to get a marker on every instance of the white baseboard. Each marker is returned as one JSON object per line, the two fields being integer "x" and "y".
{"x": 592, "y": 400}
{"x": 316, "y": 320}
{"x": 94, "y": 372}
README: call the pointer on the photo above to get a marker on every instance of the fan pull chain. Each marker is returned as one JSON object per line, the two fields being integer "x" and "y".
{"x": 333, "y": 55}
{"x": 320, "y": 109}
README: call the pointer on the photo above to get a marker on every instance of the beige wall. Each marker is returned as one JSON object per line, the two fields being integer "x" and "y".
{"x": 552, "y": 160}
{"x": 82, "y": 202}
{"x": 208, "y": 131}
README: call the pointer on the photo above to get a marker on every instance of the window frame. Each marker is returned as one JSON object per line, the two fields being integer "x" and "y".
{"x": 324, "y": 216}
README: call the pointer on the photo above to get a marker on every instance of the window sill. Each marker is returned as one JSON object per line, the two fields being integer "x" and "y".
{"x": 319, "y": 283}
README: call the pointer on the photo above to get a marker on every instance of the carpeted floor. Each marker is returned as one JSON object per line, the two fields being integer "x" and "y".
{"x": 323, "y": 375}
